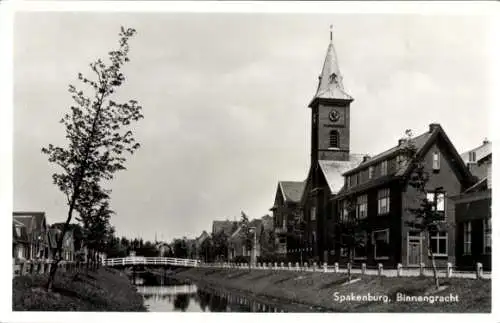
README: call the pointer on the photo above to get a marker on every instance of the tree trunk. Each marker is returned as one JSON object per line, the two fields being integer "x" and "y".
{"x": 434, "y": 269}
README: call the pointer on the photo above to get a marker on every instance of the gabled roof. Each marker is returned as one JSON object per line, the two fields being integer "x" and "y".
{"x": 423, "y": 143}
{"x": 482, "y": 152}
{"x": 32, "y": 220}
{"x": 291, "y": 191}
{"x": 226, "y": 226}
{"x": 333, "y": 169}
{"x": 419, "y": 142}
{"x": 330, "y": 85}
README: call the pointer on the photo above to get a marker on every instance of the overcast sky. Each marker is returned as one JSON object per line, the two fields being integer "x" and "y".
{"x": 225, "y": 102}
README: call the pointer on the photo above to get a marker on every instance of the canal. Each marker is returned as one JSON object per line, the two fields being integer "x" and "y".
{"x": 170, "y": 295}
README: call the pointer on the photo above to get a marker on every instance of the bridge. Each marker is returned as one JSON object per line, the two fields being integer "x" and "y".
{"x": 167, "y": 290}
{"x": 152, "y": 261}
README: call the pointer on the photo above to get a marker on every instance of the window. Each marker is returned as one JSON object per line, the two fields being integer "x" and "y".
{"x": 435, "y": 161}
{"x": 370, "y": 172}
{"x": 348, "y": 181}
{"x": 383, "y": 201}
{"x": 361, "y": 244}
{"x": 313, "y": 213}
{"x": 487, "y": 235}
{"x": 361, "y": 207}
{"x": 467, "y": 238}
{"x": 439, "y": 244}
{"x": 383, "y": 168}
{"x": 344, "y": 213}
{"x": 344, "y": 252}
{"x": 334, "y": 139}
{"x": 438, "y": 200}
{"x": 472, "y": 156}
{"x": 380, "y": 240}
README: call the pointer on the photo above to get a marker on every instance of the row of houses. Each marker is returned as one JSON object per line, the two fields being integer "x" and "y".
{"x": 33, "y": 239}
{"x": 309, "y": 216}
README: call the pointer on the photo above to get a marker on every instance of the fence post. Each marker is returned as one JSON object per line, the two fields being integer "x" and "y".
{"x": 315, "y": 266}
{"x": 297, "y": 267}
{"x": 422, "y": 268}
{"x": 349, "y": 267}
{"x": 325, "y": 267}
{"x": 275, "y": 265}
{"x": 336, "y": 267}
{"x": 306, "y": 266}
{"x": 282, "y": 265}
{"x": 380, "y": 269}
{"x": 449, "y": 270}
{"x": 363, "y": 269}
{"x": 479, "y": 270}
{"x": 400, "y": 270}
{"x": 289, "y": 266}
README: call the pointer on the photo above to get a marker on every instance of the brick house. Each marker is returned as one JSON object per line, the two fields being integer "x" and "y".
{"x": 472, "y": 210}
{"x": 35, "y": 226}
{"x": 68, "y": 247}
{"x": 379, "y": 188}
{"x": 285, "y": 210}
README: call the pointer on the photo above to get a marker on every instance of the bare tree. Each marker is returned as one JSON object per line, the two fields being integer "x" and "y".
{"x": 97, "y": 133}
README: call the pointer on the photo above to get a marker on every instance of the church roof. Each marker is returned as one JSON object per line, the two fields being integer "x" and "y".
{"x": 333, "y": 170}
{"x": 330, "y": 84}
{"x": 292, "y": 191}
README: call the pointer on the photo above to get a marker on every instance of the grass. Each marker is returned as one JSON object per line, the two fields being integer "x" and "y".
{"x": 104, "y": 290}
{"x": 320, "y": 290}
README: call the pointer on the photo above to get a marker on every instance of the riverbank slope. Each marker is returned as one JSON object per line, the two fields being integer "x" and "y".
{"x": 104, "y": 290}
{"x": 326, "y": 290}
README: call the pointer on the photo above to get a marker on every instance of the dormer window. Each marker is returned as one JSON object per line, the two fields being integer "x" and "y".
{"x": 383, "y": 168}
{"x": 370, "y": 172}
{"x": 436, "y": 161}
{"x": 472, "y": 157}
{"x": 334, "y": 139}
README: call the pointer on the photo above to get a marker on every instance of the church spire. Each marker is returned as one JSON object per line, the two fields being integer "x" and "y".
{"x": 330, "y": 84}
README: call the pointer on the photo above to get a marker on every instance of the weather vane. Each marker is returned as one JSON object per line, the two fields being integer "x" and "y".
{"x": 331, "y": 32}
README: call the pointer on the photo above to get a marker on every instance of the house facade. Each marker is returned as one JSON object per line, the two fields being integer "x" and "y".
{"x": 68, "y": 246}
{"x": 381, "y": 199}
{"x": 286, "y": 211}
{"x": 472, "y": 210}
{"x": 34, "y": 225}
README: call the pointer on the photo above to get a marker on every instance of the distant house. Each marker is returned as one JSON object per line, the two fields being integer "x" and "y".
{"x": 227, "y": 226}
{"x": 236, "y": 244}
{"x": 472, "y": 210}
{"x": 68, "y": 247}
{"x": 164, "y": 249}
{"x": 198, "y": 242}
{"x": 286, "y": 211}
{"x": 35, "y": 226}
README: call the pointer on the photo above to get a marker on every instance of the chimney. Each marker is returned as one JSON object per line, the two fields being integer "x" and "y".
{"x": 433, "y": 126}
{"x": 486, "y": 141}
{"x": 366, "y": 158}
{"x": 401, "y": 141}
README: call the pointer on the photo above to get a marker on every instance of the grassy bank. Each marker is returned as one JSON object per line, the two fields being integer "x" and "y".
{"x": 104, "y": 290}
{"x": 326, "y": 290}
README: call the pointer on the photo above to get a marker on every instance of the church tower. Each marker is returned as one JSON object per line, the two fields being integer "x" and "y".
{"x": 330, "y": 113}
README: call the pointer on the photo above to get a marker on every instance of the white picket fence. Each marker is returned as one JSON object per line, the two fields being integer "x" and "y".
{"x": 400, "y": 271}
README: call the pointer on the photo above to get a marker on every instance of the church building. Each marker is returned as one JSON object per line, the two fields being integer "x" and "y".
{"x": 313, "y": 228}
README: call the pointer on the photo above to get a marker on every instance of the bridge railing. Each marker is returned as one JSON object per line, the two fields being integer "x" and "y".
{"x": 137, "y": 260}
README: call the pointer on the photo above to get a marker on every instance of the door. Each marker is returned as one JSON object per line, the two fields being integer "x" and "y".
{"x": 414, "y": 249}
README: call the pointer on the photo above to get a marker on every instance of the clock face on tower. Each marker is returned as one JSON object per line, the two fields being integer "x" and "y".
{"x": 334, "y": 116}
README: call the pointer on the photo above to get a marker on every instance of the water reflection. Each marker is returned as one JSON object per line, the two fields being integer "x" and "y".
{"x": 189, "y": 298}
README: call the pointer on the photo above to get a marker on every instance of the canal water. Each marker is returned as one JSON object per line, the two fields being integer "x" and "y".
{"x": 175, "y": 296}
